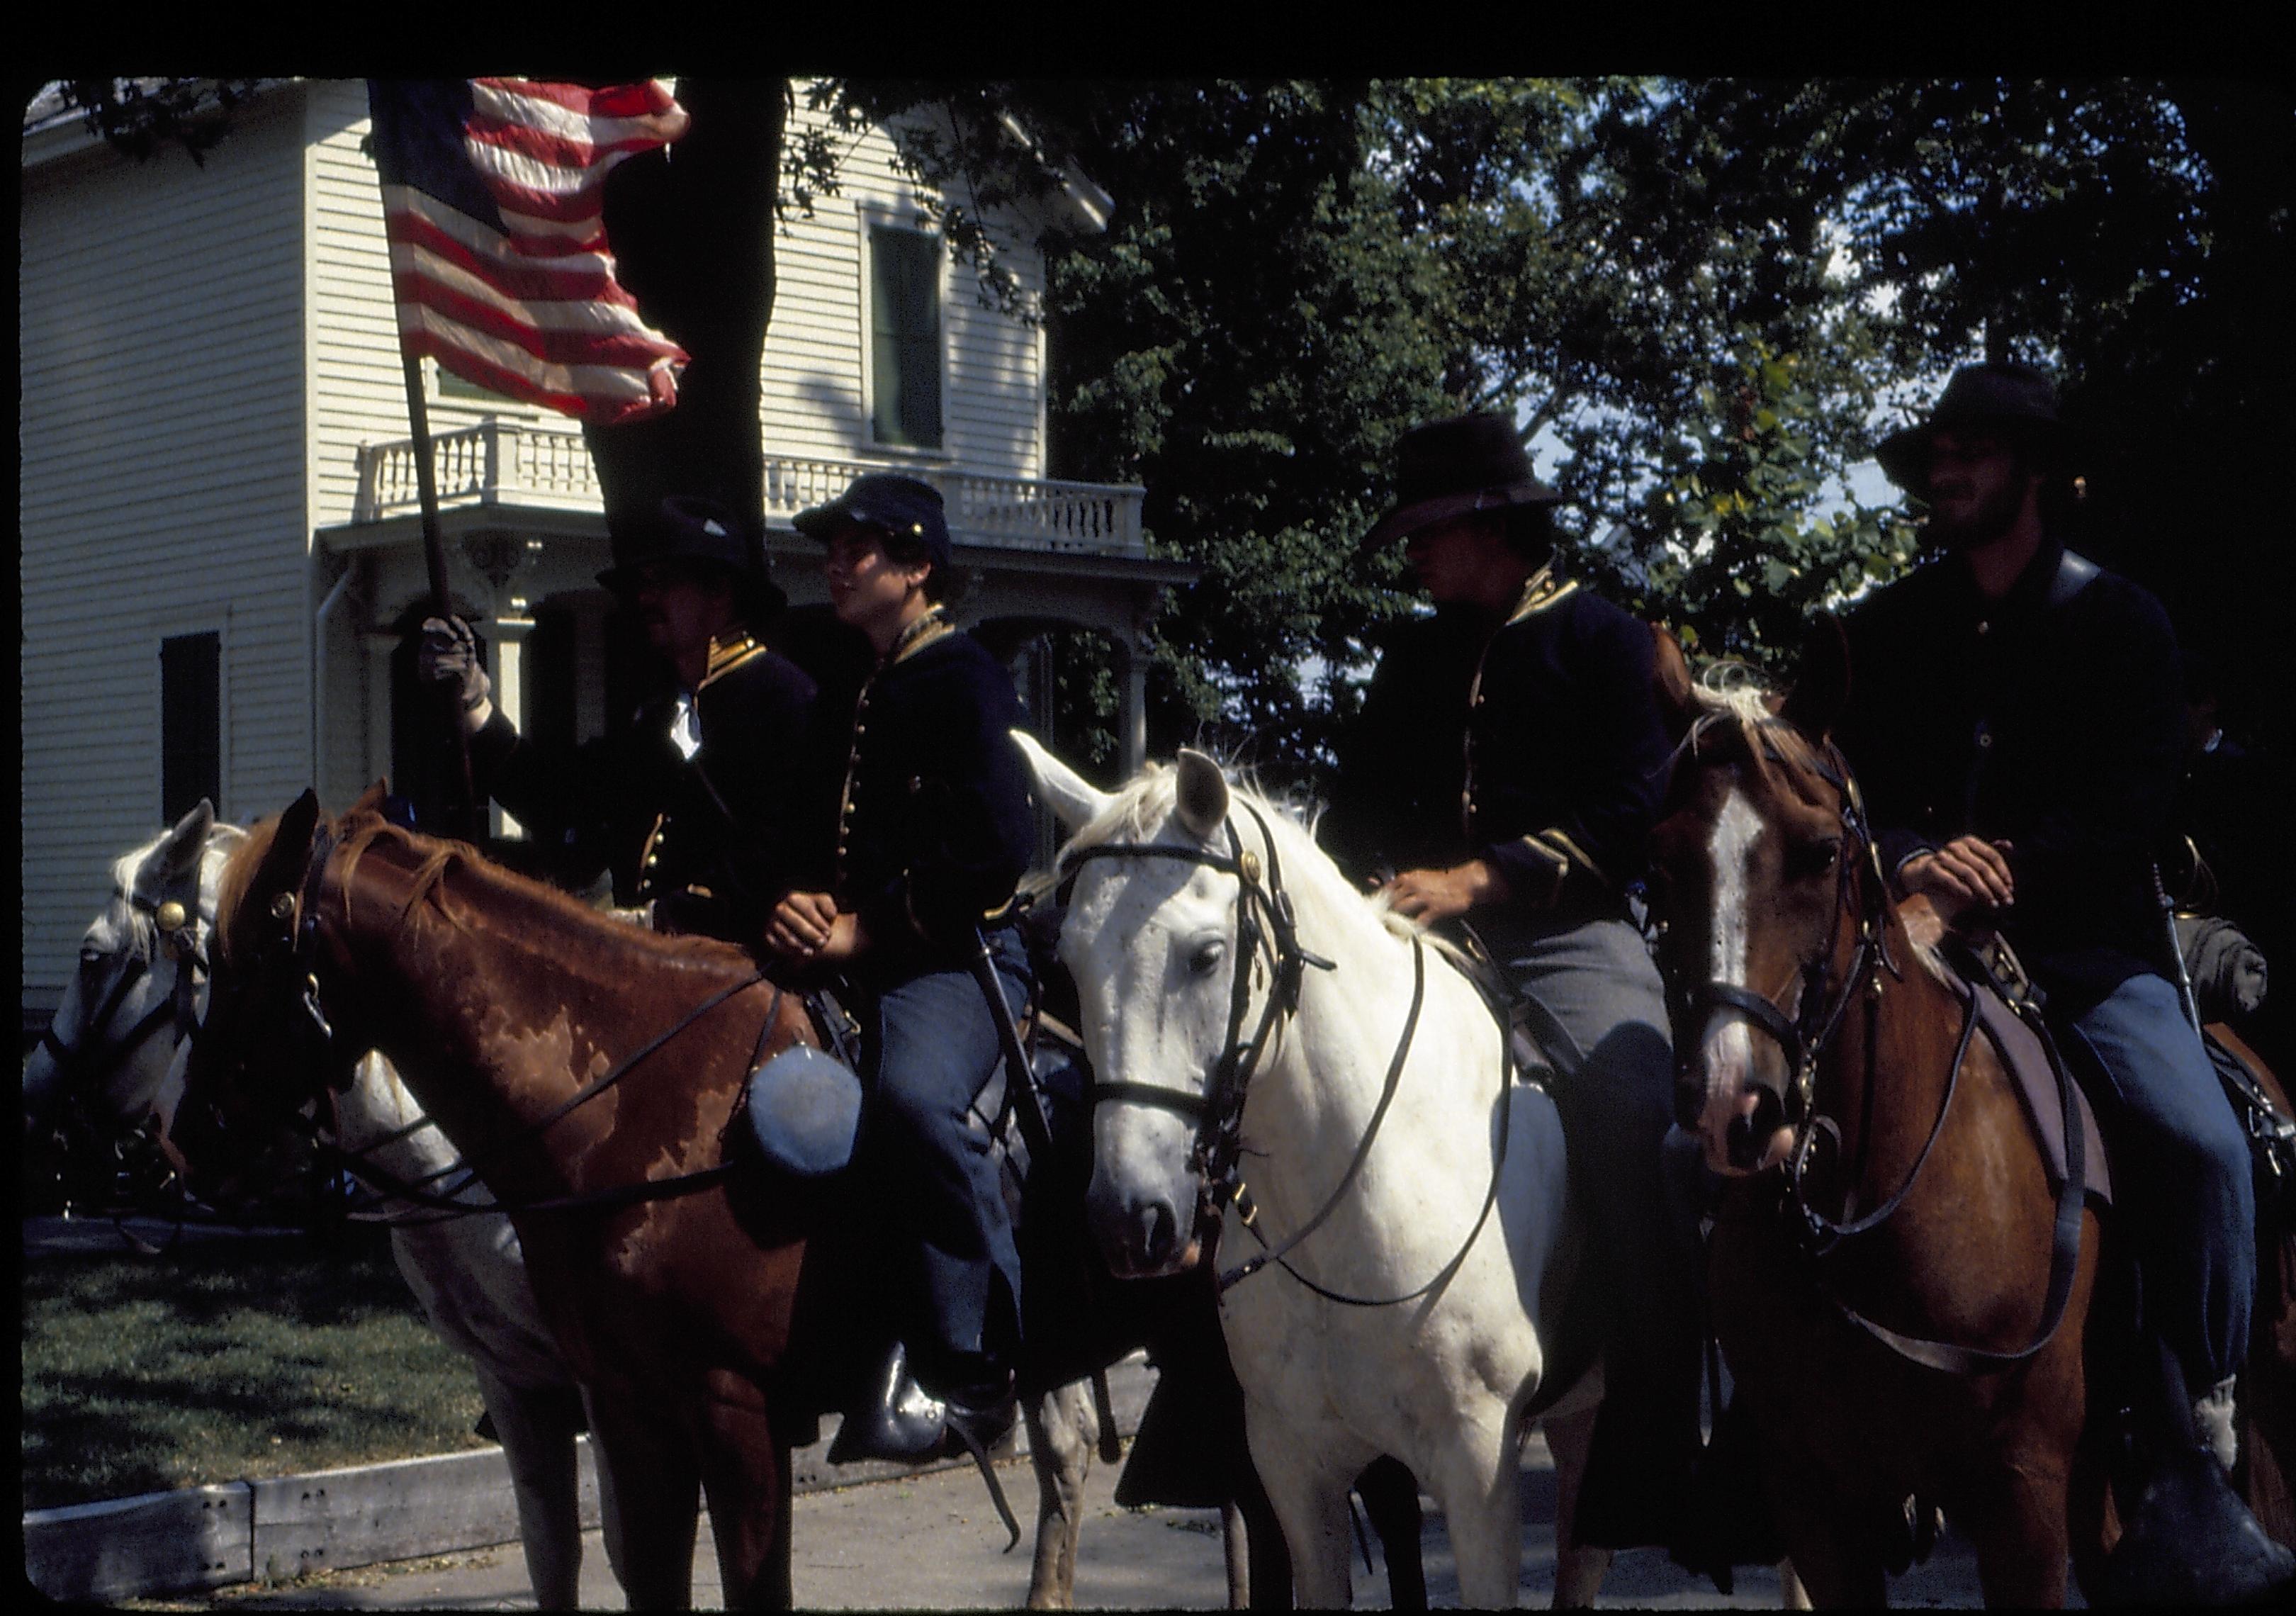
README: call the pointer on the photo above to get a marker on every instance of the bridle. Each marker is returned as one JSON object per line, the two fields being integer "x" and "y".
{"x": 1265, "y": 925}
{"x": 84, "y": 1063}
{"x": 1821, "y": 1003}
{"x": 1805, "y": 1037}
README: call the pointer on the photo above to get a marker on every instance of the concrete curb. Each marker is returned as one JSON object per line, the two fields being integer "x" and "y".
{"x": 209, "y": 1537}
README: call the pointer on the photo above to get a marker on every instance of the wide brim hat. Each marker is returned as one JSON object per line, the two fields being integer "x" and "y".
{"x": 1449, "y": 468}
{"x": 902, "y": 506}
{"x": 2015, "y": 400}
{"x": 686, "y": 528}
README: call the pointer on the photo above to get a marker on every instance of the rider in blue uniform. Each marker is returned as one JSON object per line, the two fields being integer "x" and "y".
{"x": 933, "y": 832}
{"x": 1505, "y": 771}
{"x": 2015, "y": 722}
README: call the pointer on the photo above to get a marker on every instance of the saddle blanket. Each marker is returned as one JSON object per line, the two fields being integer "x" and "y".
{"x": 2035, "y": 1078}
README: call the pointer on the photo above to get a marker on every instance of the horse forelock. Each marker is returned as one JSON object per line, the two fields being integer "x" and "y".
{"x": 1738, "y": 722}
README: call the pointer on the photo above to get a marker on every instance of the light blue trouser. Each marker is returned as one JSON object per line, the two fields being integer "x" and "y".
{"x": 930, "y": 1048}
{"x": 1596, "y": 978}
{"x": 2180, "y": 1175}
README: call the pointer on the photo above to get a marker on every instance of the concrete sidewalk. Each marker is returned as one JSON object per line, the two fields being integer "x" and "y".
{"x": 933, "y": 1542}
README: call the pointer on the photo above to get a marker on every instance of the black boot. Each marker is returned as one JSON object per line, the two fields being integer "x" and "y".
{"x": 895, "y": 1419}
{"x": 1728, "y": 1523}
{"x": 978, "y": 1416}
{"x": 2191, "y": 1541}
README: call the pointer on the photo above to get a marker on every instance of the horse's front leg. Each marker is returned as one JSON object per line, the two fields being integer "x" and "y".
{"x": 745, "y": 1475}
{"x": 1062, "y": 1429}
{"x": 534, "y": 1426}
{"x": 1308, "y": 1490}
{"x": 1479, "y": 1483}
{"x": 647, "y": 1498}
{"x": 2016, "y": 1518}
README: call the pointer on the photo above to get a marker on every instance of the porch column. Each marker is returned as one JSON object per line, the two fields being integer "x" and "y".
{"x": 1132, "y": 713}
{"x": 505, "y": 636}
{"x": 375, "y": 703}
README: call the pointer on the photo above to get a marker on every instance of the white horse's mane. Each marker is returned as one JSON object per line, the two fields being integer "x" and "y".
{"x": 1148, "y": 800}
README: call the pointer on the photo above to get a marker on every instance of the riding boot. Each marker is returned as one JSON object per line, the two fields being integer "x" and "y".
{"x": 978, "y": 1416}
{"x": 1637, "y": 1485}
{"x": 1728, "y": 1523}
{"x": 2190, "y": 1539}
{"x": 895, "y": 1419}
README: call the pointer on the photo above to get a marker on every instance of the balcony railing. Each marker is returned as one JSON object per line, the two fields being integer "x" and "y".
{"x": 509, "y": 462}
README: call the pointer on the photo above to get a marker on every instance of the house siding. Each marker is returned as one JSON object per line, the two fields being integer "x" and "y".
{"x": 162, "y": 491}
{"x": 255, "y": 289}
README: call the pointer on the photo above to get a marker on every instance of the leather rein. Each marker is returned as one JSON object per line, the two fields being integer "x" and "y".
{"x": 295, "y": 948}
{"x": 1806, "y": 1037}
{"x": 1217, "y": 1154}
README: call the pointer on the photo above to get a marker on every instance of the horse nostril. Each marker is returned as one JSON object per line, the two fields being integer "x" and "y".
{"x": 1751, "y": 1129}
{"x": 1159, "y": 1232}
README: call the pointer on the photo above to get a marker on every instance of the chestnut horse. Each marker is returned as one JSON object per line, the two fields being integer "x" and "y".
{"x": 572, "y": 1058}
{"x": 1870, "y": 1192}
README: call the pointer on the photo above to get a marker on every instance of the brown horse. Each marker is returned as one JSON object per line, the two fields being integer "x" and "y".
{"x": 1819, "y": 1041}
{"x": 517, "y": 1013}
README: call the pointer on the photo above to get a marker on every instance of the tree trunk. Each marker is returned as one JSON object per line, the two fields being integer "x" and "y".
{"x": 692, "y": 231}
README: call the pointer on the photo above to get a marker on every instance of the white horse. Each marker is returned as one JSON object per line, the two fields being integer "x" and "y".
{"x": 118, "y": 1040}
{"x": 112, "y": 1041}
{"x": 1455, "y": 1201}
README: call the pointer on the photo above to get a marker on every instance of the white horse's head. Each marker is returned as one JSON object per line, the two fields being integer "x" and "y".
{"x": 1151, "y": 945}
{"x": 112, "y": 1035}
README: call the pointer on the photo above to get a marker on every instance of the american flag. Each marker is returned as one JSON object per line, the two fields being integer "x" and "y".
{"x": 493, "y": 196}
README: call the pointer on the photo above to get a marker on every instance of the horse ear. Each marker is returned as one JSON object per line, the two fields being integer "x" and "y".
{"x": 290, "y": 850}
{"x": 371, "y": 800}
{"x": 1677, "y": 703}
{"x": 179, "y": 853}
{"x": 1074, "y": 800}
{"x": 1821, "y": 687}
{"x": 1202, "y": 794}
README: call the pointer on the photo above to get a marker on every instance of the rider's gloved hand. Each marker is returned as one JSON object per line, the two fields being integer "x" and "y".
{"x": 448, "y": 654}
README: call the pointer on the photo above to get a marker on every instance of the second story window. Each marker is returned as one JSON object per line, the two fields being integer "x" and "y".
{"x": 904, "y": 359}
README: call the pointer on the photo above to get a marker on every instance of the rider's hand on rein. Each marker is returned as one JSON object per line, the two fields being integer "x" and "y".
{"x": 1430, "y": 895}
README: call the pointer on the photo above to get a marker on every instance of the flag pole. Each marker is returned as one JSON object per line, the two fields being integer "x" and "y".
{"x": 466, "y": 810}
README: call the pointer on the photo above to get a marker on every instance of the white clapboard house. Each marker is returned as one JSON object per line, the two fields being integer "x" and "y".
{"x": 220, "y": 537}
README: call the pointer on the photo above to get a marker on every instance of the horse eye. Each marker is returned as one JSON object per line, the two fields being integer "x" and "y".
{"x": 1207, "y": 957}
{"x": 1814, "y": 857}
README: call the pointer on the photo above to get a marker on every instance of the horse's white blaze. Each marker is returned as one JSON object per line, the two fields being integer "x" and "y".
{"x": 1727, "y": 1055}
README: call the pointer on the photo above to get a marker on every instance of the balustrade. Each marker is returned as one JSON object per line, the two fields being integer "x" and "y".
{"x": 509, "y": 462}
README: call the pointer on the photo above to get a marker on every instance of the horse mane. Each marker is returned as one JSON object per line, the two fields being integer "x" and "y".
{"x": 1148, "y": 800}
{"x": 433, "y": 858}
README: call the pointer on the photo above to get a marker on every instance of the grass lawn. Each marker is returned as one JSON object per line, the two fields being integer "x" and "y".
{"x": 225, "y": 1360}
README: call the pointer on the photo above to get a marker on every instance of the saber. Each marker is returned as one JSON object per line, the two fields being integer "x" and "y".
{"x": 1020, "y": 1086}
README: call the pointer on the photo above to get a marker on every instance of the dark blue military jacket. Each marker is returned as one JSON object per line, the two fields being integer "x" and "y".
{"x": 1541, "y": 753}
{"x": 2056, "y": 727}
{"x": 709, "y": 841}
{"x": 933, "y": 828}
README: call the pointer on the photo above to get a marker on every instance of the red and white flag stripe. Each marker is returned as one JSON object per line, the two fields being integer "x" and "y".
{"x": 533, "y": 311}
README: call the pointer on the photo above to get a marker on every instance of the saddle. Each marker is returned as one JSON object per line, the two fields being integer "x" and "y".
{"x": 2008, "y": 1009}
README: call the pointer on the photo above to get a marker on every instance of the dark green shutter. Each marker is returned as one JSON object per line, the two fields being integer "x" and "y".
{"x": 904, "y": 326}
{"x": 190, "y": 723}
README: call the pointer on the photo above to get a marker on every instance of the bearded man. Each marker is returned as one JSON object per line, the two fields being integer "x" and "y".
{"x": 2015, "y": 719}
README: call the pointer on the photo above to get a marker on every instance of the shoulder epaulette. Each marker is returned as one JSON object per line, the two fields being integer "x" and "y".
{"x": 728, "y": 654}
{"x": 1542, "y": 590}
